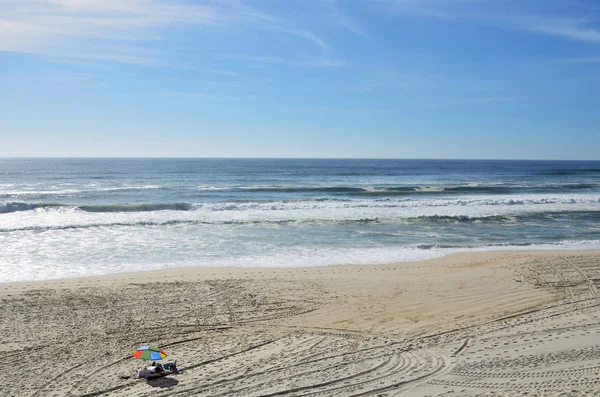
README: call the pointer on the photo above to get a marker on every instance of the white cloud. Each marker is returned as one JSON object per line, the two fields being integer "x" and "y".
{"x": 342, "y": 19}
{"x": 124, "y": 30}
{"x": 310, "y": 36}
{"x": 572, "y": 30}
{"x": 314, "y": 62}
{"x": 210, "y": 96}
{"x": 533, "y": 16}
{"x": 474, "y": 101}
{"x": 109, "y": 19}
{"x": 587, "y": 60}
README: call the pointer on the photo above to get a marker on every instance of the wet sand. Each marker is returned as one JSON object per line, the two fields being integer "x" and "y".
{"x": 477, "y": 324}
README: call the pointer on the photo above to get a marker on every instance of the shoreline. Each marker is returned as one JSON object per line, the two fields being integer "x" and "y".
{"x": 204, "y": 272}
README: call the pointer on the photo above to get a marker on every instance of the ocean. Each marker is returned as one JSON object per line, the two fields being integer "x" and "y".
{"x": 64, "y": 218}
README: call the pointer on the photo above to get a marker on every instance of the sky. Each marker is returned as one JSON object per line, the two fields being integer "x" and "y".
{"x": 482, "y": 79}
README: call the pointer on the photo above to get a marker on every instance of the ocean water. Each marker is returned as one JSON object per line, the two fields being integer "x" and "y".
{"x": 76, "y": 217}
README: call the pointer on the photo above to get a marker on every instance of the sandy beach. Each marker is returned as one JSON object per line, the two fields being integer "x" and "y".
{"x": 476, "y": 324}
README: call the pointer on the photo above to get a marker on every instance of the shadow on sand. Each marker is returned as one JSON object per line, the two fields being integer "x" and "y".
{"x": 164, "y": 383}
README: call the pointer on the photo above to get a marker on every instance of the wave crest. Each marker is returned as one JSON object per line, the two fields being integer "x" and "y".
{"x": 137, "y": 207}
{"x": 437, "y": 220}
{"x": 6, "y": 208}
{"x": 310, "y": 204}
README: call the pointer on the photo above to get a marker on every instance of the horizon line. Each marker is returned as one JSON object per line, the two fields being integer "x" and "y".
{"x": 275, "y": 158}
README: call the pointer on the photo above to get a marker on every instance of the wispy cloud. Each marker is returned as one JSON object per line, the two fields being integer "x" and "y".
{"x": 29, "y": 20}
{"x": 342, "y": 19}
{"x": 342, "y": 110}
{"x": 310, "y": 36}
{"x": 132, "y": 31}
{"x": 588, "y": 60}
{"x": 210, "y": 96}
{"x": 475, "y": 101}
{"x": 319, "y": 61}
{"x": 112, "y": 30}
{"x": 574, "y": 30}
{"x": 514, "y": 15}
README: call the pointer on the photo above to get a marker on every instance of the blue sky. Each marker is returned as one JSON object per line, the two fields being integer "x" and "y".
{"x": 287, "y": 78}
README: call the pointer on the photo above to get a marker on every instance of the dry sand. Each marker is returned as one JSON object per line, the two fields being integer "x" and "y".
{"x": 480, "y": 324}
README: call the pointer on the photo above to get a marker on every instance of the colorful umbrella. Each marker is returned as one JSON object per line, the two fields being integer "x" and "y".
{"x": 149, "y": 352}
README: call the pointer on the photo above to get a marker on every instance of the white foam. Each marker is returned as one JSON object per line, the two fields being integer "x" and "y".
{"x": 212, "y": 188}
{"x": 430, "y": 189}
{"x": 15, "y": 207}
{"x": 57, "y": 192}
{"x": 305, "y": 211}
{"x": 132, "y": 187}
{"x": 94, "y": 257}
{"x": 31, "y": 190}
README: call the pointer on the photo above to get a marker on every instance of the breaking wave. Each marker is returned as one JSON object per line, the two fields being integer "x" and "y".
{"x": 6, "y": 208}
{"x": 309, "y": 204}
{"x": 433, "y": 220}
{"x": 419, "y": 190}
{"x": 136, "y": 207}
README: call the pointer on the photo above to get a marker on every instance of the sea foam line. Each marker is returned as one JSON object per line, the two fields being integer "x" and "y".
{"x": 318, "y": 203}
{"x": 35, "y": 268}
{"x": 398, "y": 219}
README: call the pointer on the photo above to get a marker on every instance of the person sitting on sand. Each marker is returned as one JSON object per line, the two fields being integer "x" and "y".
{"x": 155, "y": 374}
{"x": 152, "y": 372}
{"x": 157, "y": 370}
{"x": 171, "y": 368}
{"x": 146, "y": 372}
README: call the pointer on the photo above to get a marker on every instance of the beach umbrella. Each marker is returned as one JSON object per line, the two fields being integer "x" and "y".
{"x": 149, "y": 352}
